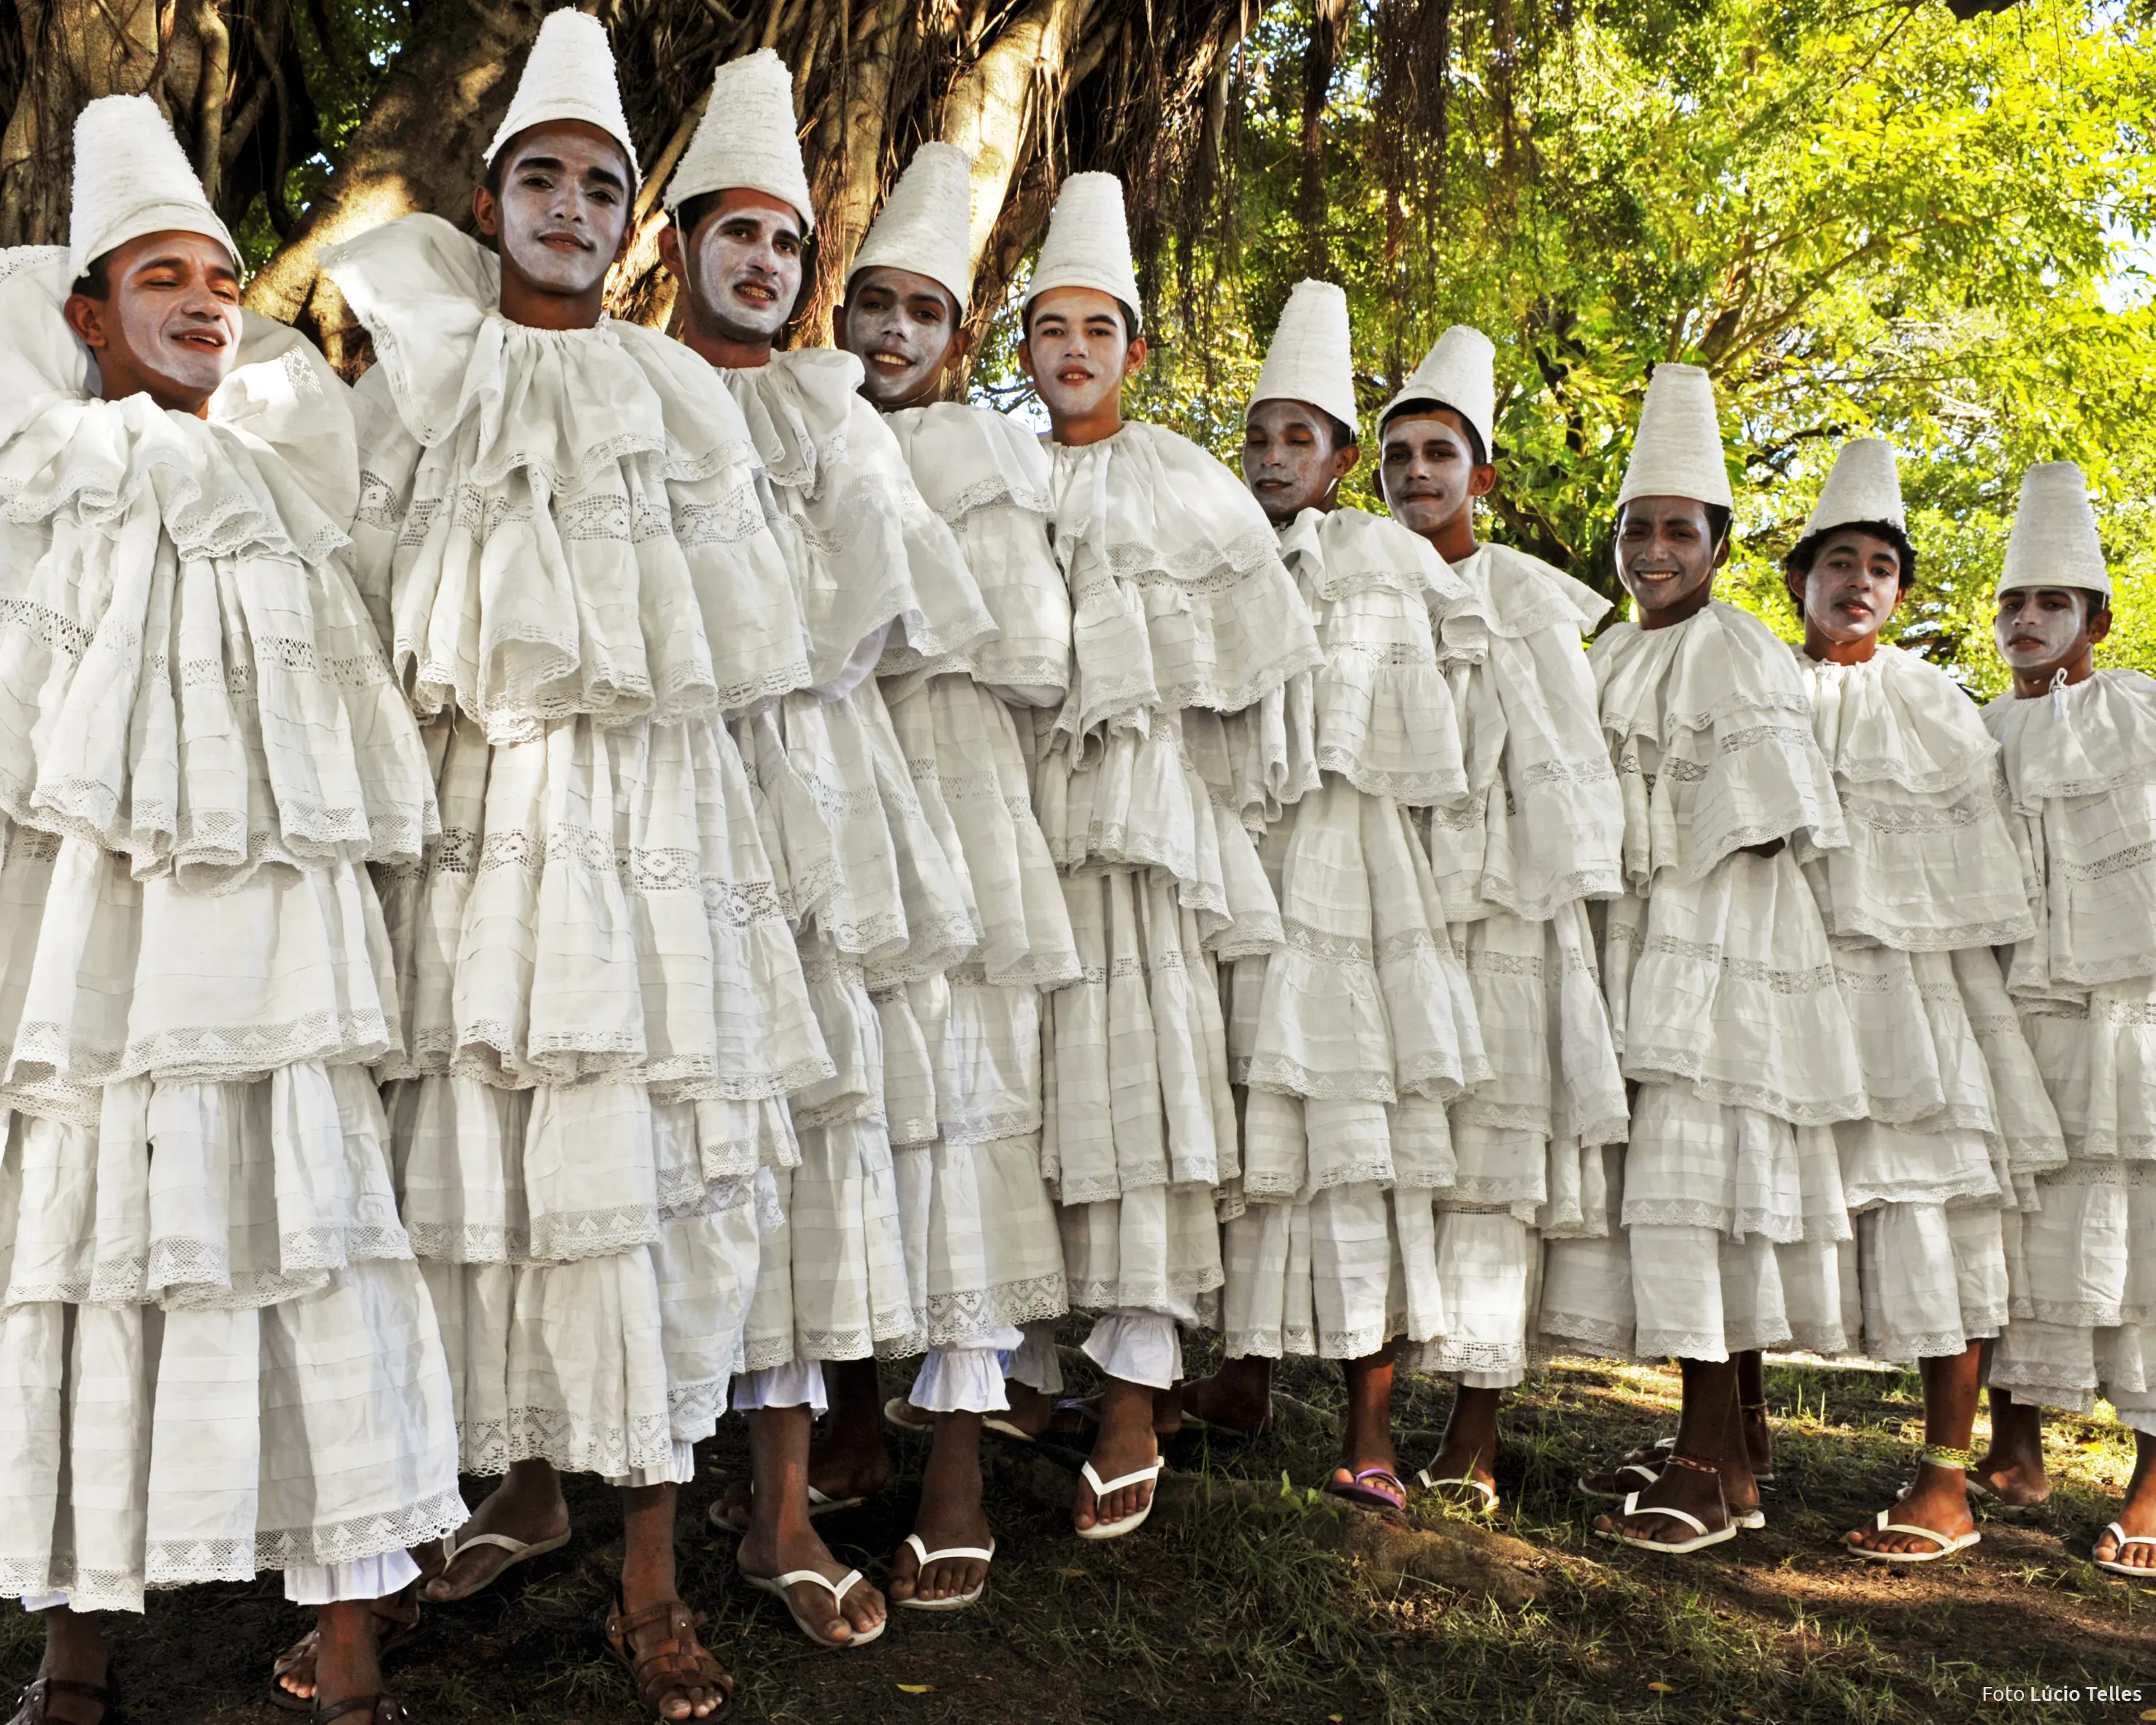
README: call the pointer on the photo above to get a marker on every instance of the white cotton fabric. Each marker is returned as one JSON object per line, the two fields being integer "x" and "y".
{"x": 748, "y": 138}
{"x": 604, "y": 1010}
{"x": 1724, "y": 999}
{"x": 1957, "y": 1124}
{"x": 1459, "y": 372}
{"x": 568, "y": 76}
{"x": 1184, "y": 621}
{"x": 132, "y": 179}
{"x": 925, "y": 225}
{"x": 2054, "y": 541}
{"x": 1088, "y": 244}
{"x": 1677, "y": 452}
{"x": 216, "y": 1356}
{"x": 1312, "y": 357}
{"x": 1139, "y": 1346}
{"x": 2080, "y": 773}
{"x": 1863, "y": 485}
{"x": 381, "y": 1577}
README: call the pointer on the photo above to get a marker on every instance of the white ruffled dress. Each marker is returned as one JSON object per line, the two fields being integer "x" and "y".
{"x": 216, "y": 1353}
{"x": 1356, "y": 1031}
{"x": 604, "y": 1011}
{"x": 982, "y": 1247}
{"x": 1958, "y": 1120}
{"x": 1722, "y": 994}
{"x": 2081, "y": 772}
{"x": 1539, "y": 834}
{"x": 1183, "y": 618}
{"x": 876, "y": 883}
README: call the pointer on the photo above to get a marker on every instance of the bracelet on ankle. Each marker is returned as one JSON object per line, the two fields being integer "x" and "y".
{"x": 1677, "y": 1459}
{"x": 1751, "y": 1407}
{"x": 1963, "y": 1460}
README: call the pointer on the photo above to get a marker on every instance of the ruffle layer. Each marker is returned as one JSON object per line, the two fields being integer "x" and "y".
{"x": 1710, "y": 728}
{"x": 1931, "y": 865}
{"x": 1541, "y": 824}
{"x": 1179, "y": 597}
{"x": 867, "y": 550}
{"x": 989, "y": 478}
{"x": 2081, "y": 769}
{"x": 602, "y": 906}
{"x": 1335, "y": 1278}
{"x": 187, "y": 677}
{"x": 983, "y": 1254}
{"x": 198, "y": 1196}
{"x": 2098, "y": 1056}
{"x": 561, "y": 522}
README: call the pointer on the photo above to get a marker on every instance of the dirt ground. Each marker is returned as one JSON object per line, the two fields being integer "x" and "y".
{"x": 1236, "y": 1615}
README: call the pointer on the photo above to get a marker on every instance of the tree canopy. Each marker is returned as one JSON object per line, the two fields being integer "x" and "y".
{"x": 1927, "y": 221}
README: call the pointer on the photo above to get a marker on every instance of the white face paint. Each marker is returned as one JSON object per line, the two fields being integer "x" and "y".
{"x": 1079, "y": 351}
{"x": 2041, "y": 629}
{"x": 900, "y": 327}
{"x": 563, "y": 207}
{"x": 169, "y": 325}
{"x": 1854, "y": 586}
{"x": 744, "y": 266}
{"x": 1288, "y": 457}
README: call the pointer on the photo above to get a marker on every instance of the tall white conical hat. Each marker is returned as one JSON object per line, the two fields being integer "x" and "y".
{"x": 748, "y": 138}
{"x": 1677, "y": 450}
{"x": 1864, "y": 485}
{"x": 1311, "y": 359}
{"x": 2054, "y": 543}
{"x": 569, "y": 75}
{"x": 1088, "y": 243}
{"x": 1459, "y": 372}
{"x": 131, "y": 178}
{"x": 925, "y": 225}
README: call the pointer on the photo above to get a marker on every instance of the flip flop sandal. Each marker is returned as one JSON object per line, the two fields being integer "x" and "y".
{"x": 1648, "y": 1474}
{"x": 2124, "y": 1539}
{"x": 776, "y": 1586}
{"x": 1997, "y": 1507}
{"x": 680, "y": 1661}
{"x": 1676, "y": 1548}
{"x": 1465, "y": 1482}
{"x": 1103, "y": 1488}
{"x": 819, "y": 1504}
{"x": 39, "y": 1691}
{"x": 519, "y": 1553}
{"x": 1376, "y": 1497}
{"x": 401, "y": 1628}
{"x": 900, "y": 1413}
{"x": 956, "y": 1602}
{"x": 1080, "y": 1409}
{"x": 382, "y": 1709}
{"x": 1946, "y": 1544}
{"x": 1666, "y": 1445}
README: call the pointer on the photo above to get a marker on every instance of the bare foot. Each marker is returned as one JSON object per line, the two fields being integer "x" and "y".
{"x": 1469, "y": 1449}
{"x": 2136, "y": 1516}
{"x": 395, "y": 1618}
{"x": 1937, "y": 1499}
{"x": 75, "y": 1653}
{"x": 840, "y": 1473}
{"x": 792, "y": 1544}
{"x": 2013, "y": 1467}
{"x": 1238, "y": 1397}
{"x": 527, "y": 1506}
{"x": 950, "y": 1514}
{"x": 346, "y": 1668}
{"x": 1124, "y": 1444}
{"x": 1692, "y": 1486}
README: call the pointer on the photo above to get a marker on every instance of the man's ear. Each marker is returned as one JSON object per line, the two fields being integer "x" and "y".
{"x": 839, "y": 325}
{"x": 86, "y": 318}
{"x": 2099, "y": 624}
{"x": 1722, "y": 552}
{"x": 1134, "y": 356}
{"x": 1345, "y": 460}
{"x": 669, "y": 252}
{"x": 961, "y": 345}
{"x": 1482, "y": 479}
{"x": 487, "y": 214}
{"x": 1795, "y": 582}
{"x": 1025, "y": 356}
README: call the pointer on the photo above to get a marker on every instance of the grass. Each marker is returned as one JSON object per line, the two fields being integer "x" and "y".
{"x": 1235, "y": 1617}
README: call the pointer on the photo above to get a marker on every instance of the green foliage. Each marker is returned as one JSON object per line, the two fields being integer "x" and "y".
{"x": 1862, "y": 217}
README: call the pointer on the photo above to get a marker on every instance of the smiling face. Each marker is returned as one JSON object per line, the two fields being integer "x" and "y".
{"x": 1078, "y": 353}
{"x": 1293, "y": 459}
{"x": 744, "y": 266}
{"x": 561, "y": 215}
{"x": 1428, "y": 469}
{"x": 2042, "y": 631}
{"x": 1667, "y": 553}
{"x": 906, "y": 330}
{"x": 1853, "y": 588}
{"x": 167, "y": 324}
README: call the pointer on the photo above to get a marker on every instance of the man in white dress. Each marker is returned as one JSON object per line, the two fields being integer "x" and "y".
{"x": 2079, "y": 754}
{"x": 1352, "y": 1037}
{"x": 215, "y": 1355}
{"x": 980, "y": 1223}
{"x": 1517, "y": 861}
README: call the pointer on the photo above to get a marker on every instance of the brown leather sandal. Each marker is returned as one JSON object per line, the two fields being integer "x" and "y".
{"x": 669, "y": 1667}
{"x": 40, "y": 1690}
{"x": 382, "y": 1709}
{"x": 396, "y": 1619}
